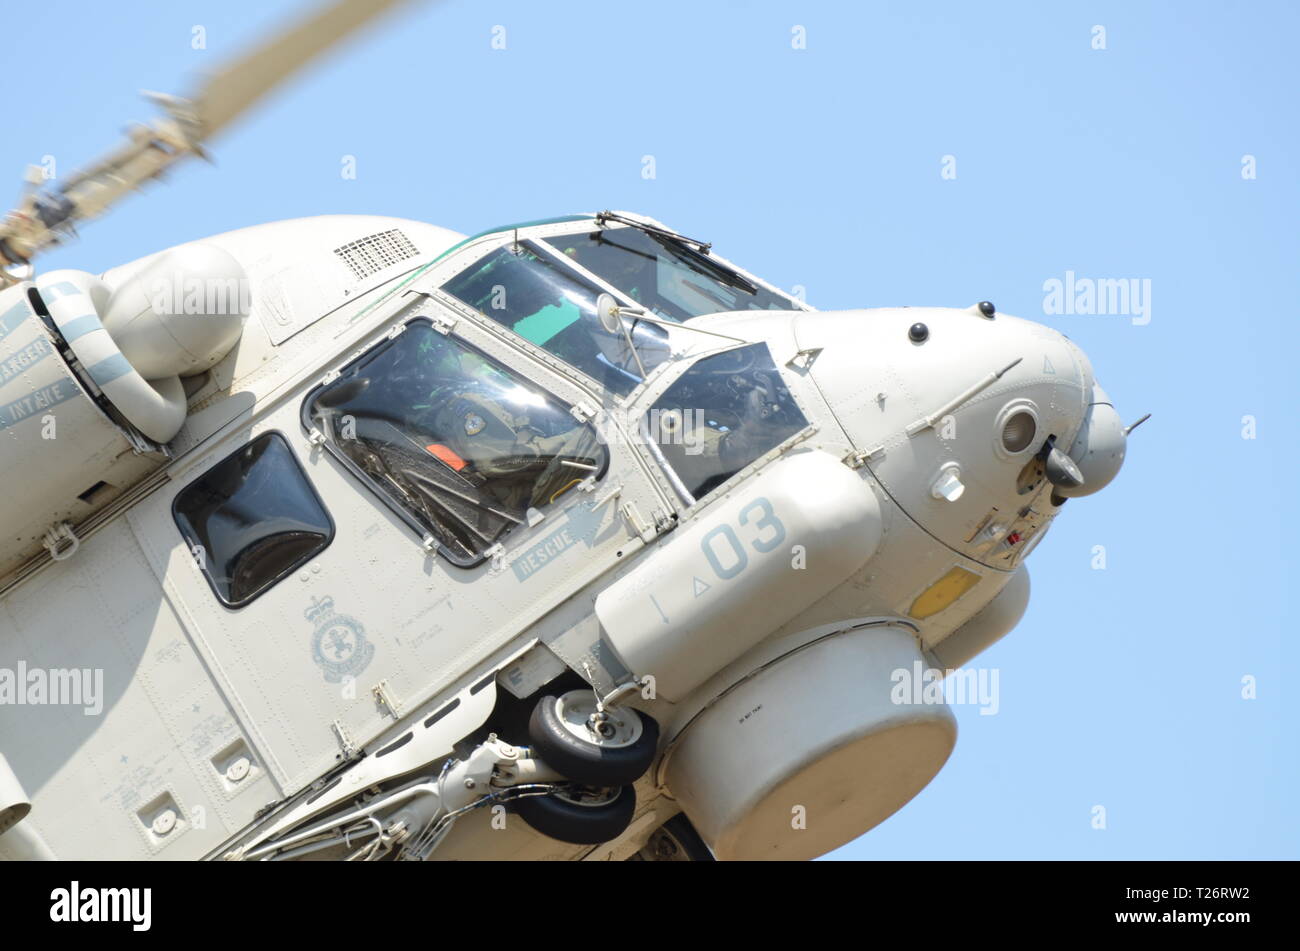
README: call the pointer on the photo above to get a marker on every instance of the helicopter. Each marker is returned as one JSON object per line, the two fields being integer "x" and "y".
{"x": 570, "y": 539}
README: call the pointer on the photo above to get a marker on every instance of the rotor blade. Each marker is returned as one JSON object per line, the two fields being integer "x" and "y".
{"x": 238, "y": 85}
{"x": 45, "y": 218}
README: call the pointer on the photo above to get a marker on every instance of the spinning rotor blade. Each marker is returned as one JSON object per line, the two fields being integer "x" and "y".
{"x": 46, "y": 218}
{"x": 241, "y": 83}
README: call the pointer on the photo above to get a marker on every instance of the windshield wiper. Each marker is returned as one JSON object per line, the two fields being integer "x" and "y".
{"x": 720, "y": 271}
{"x": 604, "y": 216}
{"x": 697, "y": 252}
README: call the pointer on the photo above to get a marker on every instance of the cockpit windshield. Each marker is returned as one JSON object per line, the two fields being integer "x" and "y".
{"x": 668, "y": 277}
{"x": 554, "y": 307}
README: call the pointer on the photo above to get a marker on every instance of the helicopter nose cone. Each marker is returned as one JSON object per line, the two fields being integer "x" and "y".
{"x": 964, "y": 417}
{"x": 1099, "y": 448}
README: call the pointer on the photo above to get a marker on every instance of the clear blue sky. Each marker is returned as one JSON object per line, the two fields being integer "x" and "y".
{"x": 821, "y": 167}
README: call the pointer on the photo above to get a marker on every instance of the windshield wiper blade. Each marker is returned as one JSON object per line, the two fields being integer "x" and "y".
{"x": 604, "y": 216}
{"x": 723, "y": 273}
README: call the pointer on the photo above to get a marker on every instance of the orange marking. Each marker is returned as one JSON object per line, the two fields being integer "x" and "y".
{"x": 447, "y": 456}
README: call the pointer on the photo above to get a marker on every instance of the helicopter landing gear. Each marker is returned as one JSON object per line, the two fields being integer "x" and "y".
{"x": 582, "y": 815}
{"x": 591, "y": 745}
{"x": 602, "y": 751}
{"x": 674, "y": 841}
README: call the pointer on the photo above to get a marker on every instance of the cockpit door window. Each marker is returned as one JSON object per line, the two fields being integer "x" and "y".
{"x": 721, "y": 415}
{"x": 462, "y": 448}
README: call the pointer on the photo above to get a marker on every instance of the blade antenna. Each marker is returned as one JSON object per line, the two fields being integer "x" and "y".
{"x": 1129, "y": 429}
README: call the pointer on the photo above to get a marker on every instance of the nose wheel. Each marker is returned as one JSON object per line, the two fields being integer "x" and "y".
{"x": 590, "y": 745}
{"x": 674, "y": 841}
{"x": 582, "y": 815}
{"x": 602, "y": 751}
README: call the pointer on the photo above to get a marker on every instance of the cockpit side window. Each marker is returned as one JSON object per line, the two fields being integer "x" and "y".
{"x": 252, "y": 519}
{"x": 721, "y": 415}
{"x": 459, "y": 446}
{"x": 669, "y": 278}
{"x": 554, "y": 307}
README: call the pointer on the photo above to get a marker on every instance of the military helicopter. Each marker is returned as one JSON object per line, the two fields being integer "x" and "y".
{"x": 570, "y": 539}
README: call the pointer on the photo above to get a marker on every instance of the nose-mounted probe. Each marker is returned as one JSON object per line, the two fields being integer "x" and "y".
{"x": 926, "y": 422}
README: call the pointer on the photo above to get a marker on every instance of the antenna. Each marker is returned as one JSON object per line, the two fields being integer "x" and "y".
{"x": 1129, "y": 429}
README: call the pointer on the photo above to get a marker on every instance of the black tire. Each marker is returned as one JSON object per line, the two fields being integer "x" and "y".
{"x": 577, "y": 824}
{"x": 684, "y": 836}
{"x": 585, "y": 762}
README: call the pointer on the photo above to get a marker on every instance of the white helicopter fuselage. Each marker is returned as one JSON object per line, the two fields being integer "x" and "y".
{"x": 765, "y": 612}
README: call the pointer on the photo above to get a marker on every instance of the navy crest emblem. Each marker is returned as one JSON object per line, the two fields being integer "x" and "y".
{"x": 339, "y": 642}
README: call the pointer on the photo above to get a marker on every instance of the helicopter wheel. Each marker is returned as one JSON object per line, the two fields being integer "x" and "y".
{"x": 597, "y": 748}
{"x": 674, "y": 841}
{"x": 581, "y": 815}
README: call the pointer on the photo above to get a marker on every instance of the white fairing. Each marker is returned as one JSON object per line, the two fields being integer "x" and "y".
{"x": 811, "y": 751}
{"x": 155, "y": 407}
{"x": 658, "y": 618}
{"x": 993, "y": 622}
{"x": 1099, "y": 448}
{"x": 181, "y": 313}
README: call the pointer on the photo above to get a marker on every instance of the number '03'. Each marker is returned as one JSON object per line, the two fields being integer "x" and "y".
{"x": 767, "y": 530}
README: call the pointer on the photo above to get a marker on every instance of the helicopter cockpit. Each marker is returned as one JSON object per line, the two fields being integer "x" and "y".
{"x": 464, "y": 448}
{"x": 546, "y": 291}
{"x": 722, "y": 414}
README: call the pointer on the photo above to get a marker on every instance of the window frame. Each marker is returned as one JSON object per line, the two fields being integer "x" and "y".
{"x": 387, "y": 500}
{"x": 311, "y": 487}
